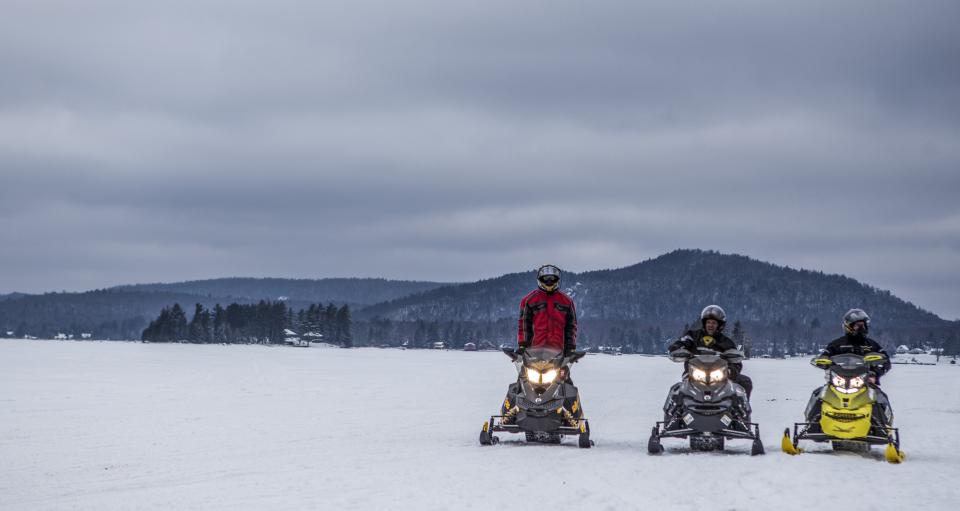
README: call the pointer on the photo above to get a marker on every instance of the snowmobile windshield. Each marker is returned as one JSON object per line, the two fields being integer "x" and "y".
{"x": 539, "y": 356}
{"x": 848, "y": 364}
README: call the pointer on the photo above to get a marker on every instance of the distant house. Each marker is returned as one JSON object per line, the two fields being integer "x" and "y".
{"x": 469, "y": 347}
{"x": 291, "y": 338}
{"x": 917, "y": 351}
{"x": 86, "y": 336}
{"x": 312, "y": 336}
{"x": 10, "y": 333}
{"x": 60, "y": 337}
{"x": 903, "y": 349}
{"x": 439, "y": 345}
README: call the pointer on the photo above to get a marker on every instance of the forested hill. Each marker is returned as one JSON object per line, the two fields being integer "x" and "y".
{"x": 354, "y": 291}
{"x": 123, "y": 312}
{"x": 656, "y": 297}
{"x": 105, "y": 313}
{"x": 670, "y": 290}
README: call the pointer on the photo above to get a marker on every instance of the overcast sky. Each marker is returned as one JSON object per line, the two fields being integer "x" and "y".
{"x": 452, "y": 141}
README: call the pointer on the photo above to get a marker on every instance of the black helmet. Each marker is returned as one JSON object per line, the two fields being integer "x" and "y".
{"x": 548, "y": 278}
{"x": 852, "y": 316}
{"x": 713, "y": 312}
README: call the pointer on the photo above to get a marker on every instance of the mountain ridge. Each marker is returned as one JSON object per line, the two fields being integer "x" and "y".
{"x": 666, "y": 292}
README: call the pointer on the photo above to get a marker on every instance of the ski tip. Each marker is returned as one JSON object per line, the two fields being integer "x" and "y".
{"x": 894, "y": 455}
{"x": 786, "y": 444}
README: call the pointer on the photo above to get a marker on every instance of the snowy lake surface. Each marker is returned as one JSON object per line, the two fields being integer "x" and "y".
{"x": 119, "y": 426}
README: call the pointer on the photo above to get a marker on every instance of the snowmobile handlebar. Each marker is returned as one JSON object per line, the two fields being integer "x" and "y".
{"x": 872, "y": 360}
{"x": 683, "y": 354}
{"x": 570, "y": 356}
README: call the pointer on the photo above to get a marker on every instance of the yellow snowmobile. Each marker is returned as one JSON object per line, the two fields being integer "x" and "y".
{"x": 849, "y": 411}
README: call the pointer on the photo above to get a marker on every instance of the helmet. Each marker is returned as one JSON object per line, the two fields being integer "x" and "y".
{"x": 852, "y": 316}
{"x": 548, "y": 278}
{"x": 713, "y": 312}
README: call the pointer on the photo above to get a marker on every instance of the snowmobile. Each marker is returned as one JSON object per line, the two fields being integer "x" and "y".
{"x": 542, "y": 404}
{"x": 706, "y": 407}
{"x": 849, "y": 411}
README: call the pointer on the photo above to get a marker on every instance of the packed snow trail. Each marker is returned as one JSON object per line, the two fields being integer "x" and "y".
{"x": 97, "y": 425}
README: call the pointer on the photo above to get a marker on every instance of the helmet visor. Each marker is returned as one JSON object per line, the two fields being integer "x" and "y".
{"x": 549, "y": 279}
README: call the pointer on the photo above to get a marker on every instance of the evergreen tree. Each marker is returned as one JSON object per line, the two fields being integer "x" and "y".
{"x": 206, "y": 326}
{"x": 219, "y": 324}
{"x": 178, "y": 323}
{"x": 344, "y": 325}
{"x": 330, "y": 332}
{"x": 195, "y": 331}
{"x": 738, "y": 333}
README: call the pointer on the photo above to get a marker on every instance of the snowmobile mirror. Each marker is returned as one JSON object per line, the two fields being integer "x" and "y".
{"x": 576, "y": 355}
{"x": 680, "y": 355}
{"x": 821, "y": 362}
{"x": 510, "y": 353}
{"x": 732, "y": 355}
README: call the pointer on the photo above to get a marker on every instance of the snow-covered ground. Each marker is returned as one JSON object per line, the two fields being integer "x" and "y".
{"x": 99, "y": 425}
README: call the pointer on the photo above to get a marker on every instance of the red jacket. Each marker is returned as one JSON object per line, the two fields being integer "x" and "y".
{"x": 547, "y": 320}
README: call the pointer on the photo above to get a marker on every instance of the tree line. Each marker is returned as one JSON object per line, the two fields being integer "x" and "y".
{"x": 783, "y": 338}
{"x": 260, "y": 323}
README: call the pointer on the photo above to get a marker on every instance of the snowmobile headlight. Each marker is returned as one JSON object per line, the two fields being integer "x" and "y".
{"x": 533, "y": 375}
{"x": 717, "y": 375}
{"x": 838, "y": 381}
{"x": 548, "y": 376}
{"x": 856, "y": 382}
{"x": 700, "y": 375}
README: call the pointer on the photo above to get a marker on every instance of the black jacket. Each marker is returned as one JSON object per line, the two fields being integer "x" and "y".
{"x": 858, "y": 345}
{"x": 693, "y": 339}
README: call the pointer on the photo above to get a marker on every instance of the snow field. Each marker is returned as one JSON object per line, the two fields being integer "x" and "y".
{"x": 98, "y": 425}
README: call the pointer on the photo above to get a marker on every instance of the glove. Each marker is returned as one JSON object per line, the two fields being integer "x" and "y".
{"x": 568, "y": 351}
{"x": 520, "y": 350}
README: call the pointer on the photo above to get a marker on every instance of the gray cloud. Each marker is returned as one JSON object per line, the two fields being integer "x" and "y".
{"x": 431, "y": 140}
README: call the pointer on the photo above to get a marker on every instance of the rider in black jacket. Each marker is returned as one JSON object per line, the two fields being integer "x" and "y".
{"x": 713, "y": 319}
{"x": 855, "y": 326}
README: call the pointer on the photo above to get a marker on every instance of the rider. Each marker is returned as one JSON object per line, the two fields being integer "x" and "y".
{"x": 855, "y": 327}
{"x": 548, "y": 317}
{"x": 712, "y": 321}
{"x": 856, "y": 324}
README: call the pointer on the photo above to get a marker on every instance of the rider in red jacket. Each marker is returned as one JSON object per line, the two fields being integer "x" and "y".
{"x": 548, "y": 317}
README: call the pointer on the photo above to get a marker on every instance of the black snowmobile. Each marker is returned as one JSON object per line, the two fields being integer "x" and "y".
{"x": 706, "y": 406}
{"x": 849, "y": 412}
{"x": 542, "y": 404}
